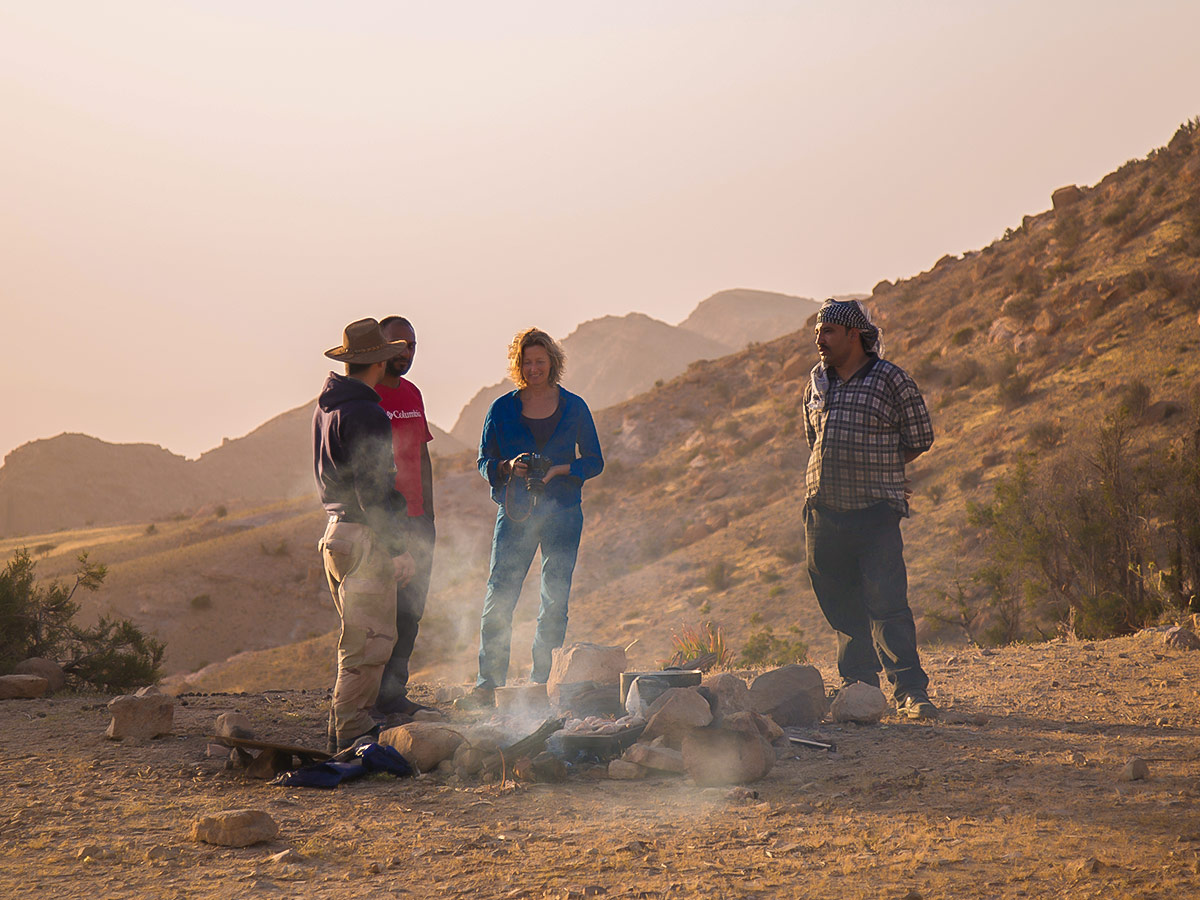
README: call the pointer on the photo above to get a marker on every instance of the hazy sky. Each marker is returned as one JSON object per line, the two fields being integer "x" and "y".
{"x": 197, "y": 196}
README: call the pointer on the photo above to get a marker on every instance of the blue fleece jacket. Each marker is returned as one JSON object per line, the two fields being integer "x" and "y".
{"x": 506, "y": 436}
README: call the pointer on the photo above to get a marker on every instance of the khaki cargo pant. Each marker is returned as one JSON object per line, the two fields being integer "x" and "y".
{"x": 364, "y": 592}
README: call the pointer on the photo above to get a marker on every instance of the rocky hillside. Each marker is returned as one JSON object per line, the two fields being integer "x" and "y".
{"x": 73, "y": 480}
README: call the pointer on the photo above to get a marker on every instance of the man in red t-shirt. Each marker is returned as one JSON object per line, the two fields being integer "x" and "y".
{"x": 402, "y": 402}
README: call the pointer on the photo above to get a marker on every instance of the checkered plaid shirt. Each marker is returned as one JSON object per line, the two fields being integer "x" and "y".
{"x": 860, "y": 436}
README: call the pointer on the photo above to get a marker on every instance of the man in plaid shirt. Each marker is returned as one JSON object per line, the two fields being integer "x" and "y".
{"x": 864, "y": 420}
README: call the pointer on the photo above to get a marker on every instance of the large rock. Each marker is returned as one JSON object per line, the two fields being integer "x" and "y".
{"x": 676, "y": 712}
{"x": 584, "y": 662}
{"x": 1066, "y": 196}
{"x": 753, "y": 723}
{"x": 1180, "y": 638}
{"x": 791, "y": 695}
{"x": 43, "y": 668}
{"x": 731, "y": 693}
{"x": 716, "y": 756}
{"x": 147, "y": 714}
{"x": 424, "y": 744}
{"x": 234, "y": 725}
{"x": 22, "y": 687}
{"x": 858, "y": 702}
{"x": 235, "y": 828}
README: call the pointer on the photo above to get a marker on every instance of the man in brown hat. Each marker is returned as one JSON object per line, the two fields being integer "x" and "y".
{"x": 364, "y": 544}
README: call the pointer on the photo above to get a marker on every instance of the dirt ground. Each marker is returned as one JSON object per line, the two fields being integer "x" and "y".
{"x": 1015, "y": 793}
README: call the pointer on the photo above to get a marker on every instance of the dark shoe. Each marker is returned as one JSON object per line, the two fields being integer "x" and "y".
{"x": 481, "y": 697}
{"x": 365, "y": 738}
{"x": 917, "y": 705}
{"x": 401, "y": 706}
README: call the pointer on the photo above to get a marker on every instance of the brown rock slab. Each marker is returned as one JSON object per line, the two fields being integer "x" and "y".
{"x": 22, "y": 687}
{"x": 791, "y": 695}
{"x": 676, "y": 712}
{"x": 623, "y": 770}
{"x": 424, "y": 744}
{"x": 584, "y": 662}
{"x": 732, "y": 693}
{"x": 149, "y": 713}
{"x": 717, "y": 756}
{"x": 235, "y": 828}
{"x": 43, "y": 668}
{"x": 655, "y": 756}
{"x": 858, "y": 702}
{"x": 753, "y": 723}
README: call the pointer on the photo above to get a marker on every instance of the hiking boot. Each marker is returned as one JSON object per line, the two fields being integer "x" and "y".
{"x": 367, "y": 737}
{"x": 481, "y": 697}
{"x": 917, "y": 705}
{"x": 401, "y": 706}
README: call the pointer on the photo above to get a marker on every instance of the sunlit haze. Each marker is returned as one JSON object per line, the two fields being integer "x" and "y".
{"x": 197, "y": 196}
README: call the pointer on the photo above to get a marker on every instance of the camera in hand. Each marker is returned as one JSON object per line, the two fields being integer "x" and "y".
{"x": 538, "y": 467}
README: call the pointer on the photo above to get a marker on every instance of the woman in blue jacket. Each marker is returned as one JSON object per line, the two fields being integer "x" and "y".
{"x": 542, "y": 418}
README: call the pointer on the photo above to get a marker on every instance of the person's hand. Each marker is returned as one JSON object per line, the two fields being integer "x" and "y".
{"x": 403, "y": 568}
{"x": 555, "y": 471}
{"x": 516, "y": 466}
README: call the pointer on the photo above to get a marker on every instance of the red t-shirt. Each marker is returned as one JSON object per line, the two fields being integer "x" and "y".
{"x": 406, "y": 411}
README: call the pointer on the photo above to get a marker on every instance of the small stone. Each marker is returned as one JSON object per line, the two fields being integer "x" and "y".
{"x": 1135, "y": 770}
{"x": 286, "y": 856}
{"x": 92, "y": 851}
{"x": 1180, "y": 638}
{"x": 43, "y": 668}
{"x": 740, "y": 794}
{"x": 625, "y": 771}
{"x": 234, "y": 725}
{"x": 235, "y": 828}
{"x": 913, "y": 894}
{"x": 1089, "y": 866}
{"x": 22, "y": 687}
{"x": 860, "y": 703}
{"x": 161, "y": 852}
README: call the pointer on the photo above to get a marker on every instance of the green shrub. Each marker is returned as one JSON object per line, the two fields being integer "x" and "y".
{"x": 716, "y": 576}
{"x": 765, "y": 648}
{"x": 36, "y": 620}
{"x": 1098, "y": 543}
{"x": 962, "y": 337}
{"x": 703, "y": 647}
{"x": 151, "y": 528}
{"x": 222, "y": 512}
{"x": 201, "y": 601}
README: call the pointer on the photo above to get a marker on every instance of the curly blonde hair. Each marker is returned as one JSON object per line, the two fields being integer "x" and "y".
{"x": 535, "y": 337}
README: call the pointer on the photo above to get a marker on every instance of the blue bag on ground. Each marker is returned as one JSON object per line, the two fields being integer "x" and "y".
{"x": 367, "y": 760}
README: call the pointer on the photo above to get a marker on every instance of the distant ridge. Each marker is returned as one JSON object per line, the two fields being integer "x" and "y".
{"x": 614, "y": 358}
{"x": 74, "y": 480}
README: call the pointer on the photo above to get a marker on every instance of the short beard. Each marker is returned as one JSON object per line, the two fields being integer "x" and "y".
{"x": 398, "y": 367}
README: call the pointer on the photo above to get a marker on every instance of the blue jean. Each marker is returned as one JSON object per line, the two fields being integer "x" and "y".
{"x": 557, "y": 530}
{"x": 856, "y": 563}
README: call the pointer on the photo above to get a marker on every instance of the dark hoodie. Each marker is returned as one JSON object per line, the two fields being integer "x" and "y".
{"x": 352, "y": 454}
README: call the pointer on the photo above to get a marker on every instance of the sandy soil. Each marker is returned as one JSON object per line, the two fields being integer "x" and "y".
{"x": 1015, "y": 793}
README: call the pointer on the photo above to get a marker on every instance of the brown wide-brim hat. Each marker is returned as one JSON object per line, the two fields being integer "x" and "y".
{"x": 363, "y": 342}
